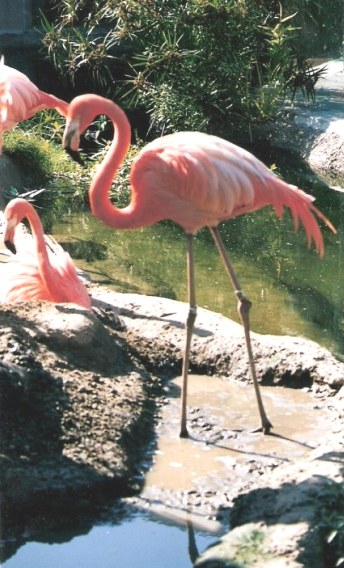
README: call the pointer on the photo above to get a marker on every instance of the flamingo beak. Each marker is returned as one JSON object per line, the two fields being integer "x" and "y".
{"x": 71, "y": 135}
{"x": 9, "y": 231}
{"x": 11, "y": 246}
{"x": 75, "y": 155}
{"x": 71, "y": 140}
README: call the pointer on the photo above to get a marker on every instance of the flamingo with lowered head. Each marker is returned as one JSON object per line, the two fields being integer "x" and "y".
{"x": 196, "y": 180}
{"x": 41, "y": 270}
{"x": 20, "y": 99}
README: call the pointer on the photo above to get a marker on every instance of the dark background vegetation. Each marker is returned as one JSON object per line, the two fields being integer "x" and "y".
{"x": 211, "y": 65}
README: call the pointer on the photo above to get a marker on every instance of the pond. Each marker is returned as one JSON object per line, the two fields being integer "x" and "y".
{"x": 136, "y": 540}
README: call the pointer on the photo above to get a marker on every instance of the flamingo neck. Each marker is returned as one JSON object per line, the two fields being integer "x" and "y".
{"x": 44, "y": 265}
{"x": 99, "y": 193}
{"x": 54, "y": 102}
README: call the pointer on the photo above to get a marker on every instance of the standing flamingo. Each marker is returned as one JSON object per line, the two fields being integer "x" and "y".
{"x": 37, "y": 272}
{"x": 195, "y": 180}
{"x": 20, "y": 99}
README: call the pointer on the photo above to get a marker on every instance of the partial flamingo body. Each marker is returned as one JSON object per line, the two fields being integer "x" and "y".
{"x": 195, "y": 180}
{"x": 20, "y": 99}
{"x": 37, "y": 271}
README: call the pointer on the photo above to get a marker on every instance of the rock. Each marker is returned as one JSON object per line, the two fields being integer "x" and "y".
{"x": 313, "y": 130}
{"x": 256, "y": 545}
{"x": 282, "y": 524}
{"x": 327, "y": 152}
{"x": 218, "y": 344}
{"x": 75, "y": 408}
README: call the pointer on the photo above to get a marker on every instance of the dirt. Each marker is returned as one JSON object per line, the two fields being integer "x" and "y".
{"x": 76, "y": 412}
{"x": 82, "y": 400}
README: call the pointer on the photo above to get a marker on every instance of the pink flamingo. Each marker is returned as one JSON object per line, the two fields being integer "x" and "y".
{"x": 195, "y": 180}
{"x": 37, "y": 272}
{"x": 20, "y": 99}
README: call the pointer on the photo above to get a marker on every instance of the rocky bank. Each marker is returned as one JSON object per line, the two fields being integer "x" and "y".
{"x": 80, "y": 399}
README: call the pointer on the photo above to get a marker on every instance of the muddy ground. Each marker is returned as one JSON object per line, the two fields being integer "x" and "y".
{"x": 82, "y": 395}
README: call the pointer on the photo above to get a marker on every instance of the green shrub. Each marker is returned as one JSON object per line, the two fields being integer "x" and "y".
{"x": 32, "y": 154}
{"x": 210, "y": 65}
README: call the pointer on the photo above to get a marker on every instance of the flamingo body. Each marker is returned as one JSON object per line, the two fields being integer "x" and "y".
{"x": 196, "y": 180}
{"x": 199, "y": 180}
{"x": 41, "y": 270}
{"x": 20, "y": 99}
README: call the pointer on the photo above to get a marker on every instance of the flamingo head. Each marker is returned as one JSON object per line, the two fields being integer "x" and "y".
{"x": 10, "y": 225}
{"x": 81, "y": 113}
{"x": 71, "y": 135}
{"x": 15, "y": 211}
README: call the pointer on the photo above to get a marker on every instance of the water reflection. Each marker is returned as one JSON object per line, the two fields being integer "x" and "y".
{"x": 139, "y": 540}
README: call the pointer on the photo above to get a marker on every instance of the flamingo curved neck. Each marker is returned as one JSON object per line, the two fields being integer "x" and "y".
{"x": 38, "y": 236}
{"x": 129, "y": 217}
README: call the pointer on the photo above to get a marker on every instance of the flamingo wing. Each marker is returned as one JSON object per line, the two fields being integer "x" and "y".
{"x": 186, "y": 177}
{"x": 26, "y": 98}
{"x": 71, "y": 286}
{"x": 199, "y": 180}
{"x": 21, "y": 278}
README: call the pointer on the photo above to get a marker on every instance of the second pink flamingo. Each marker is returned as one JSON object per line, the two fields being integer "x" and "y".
{"x": 37, "y": 272}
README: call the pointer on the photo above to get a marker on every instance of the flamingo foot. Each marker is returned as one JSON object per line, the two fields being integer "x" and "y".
{"x": 184, "y": 433}
{"x": 265, "y": 428}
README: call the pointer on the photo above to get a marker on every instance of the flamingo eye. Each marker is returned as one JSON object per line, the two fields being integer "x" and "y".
{"x": 12, "y": 222}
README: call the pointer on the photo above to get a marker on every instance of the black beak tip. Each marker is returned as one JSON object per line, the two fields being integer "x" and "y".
{"x": 75, "y": 155}
{"x": 11, "y": 246}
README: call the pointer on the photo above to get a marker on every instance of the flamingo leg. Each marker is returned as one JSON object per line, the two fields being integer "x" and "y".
{"x": 189, "y": 330}
{"x": 244, "y": 306}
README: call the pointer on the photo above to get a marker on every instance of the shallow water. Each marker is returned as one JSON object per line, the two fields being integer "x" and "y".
{"x": 299, "y": 422}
